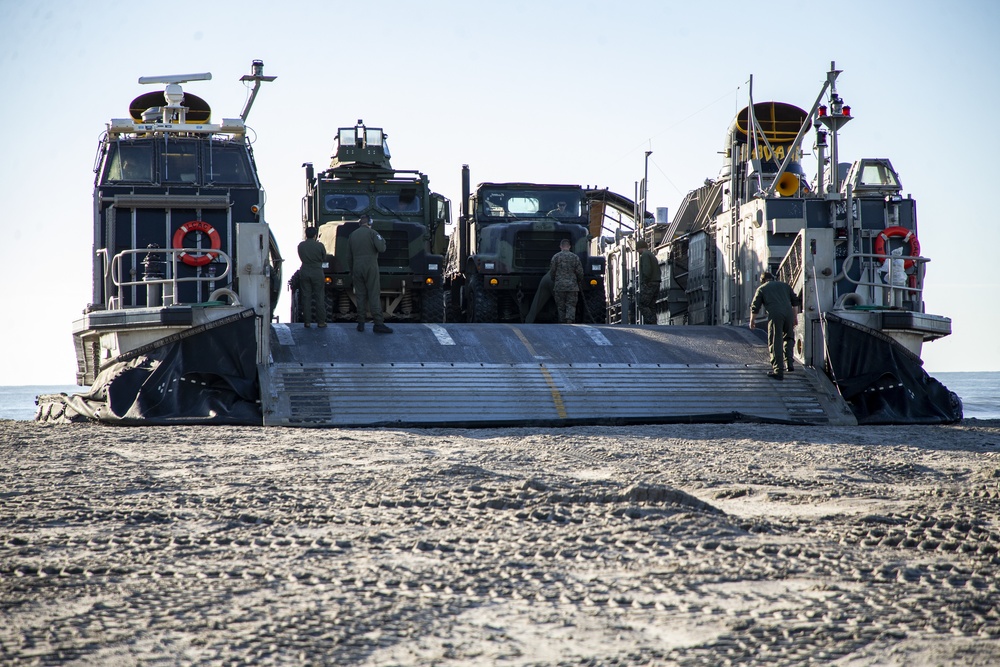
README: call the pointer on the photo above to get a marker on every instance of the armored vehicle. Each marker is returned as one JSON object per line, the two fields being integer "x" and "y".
{"x": 503, "y": 247}
{"x": 411, "y": 218}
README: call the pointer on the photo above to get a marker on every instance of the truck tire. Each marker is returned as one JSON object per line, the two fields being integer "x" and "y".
{"x": 432, "y": 305}
{"x": 295, "y": 314}
{"x": 595, "y": 307}
{"x": 483, "y": 306}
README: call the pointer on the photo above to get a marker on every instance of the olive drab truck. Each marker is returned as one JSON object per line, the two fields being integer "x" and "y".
{"x": 501, "y": 251}
{"x": 411, "y": 218}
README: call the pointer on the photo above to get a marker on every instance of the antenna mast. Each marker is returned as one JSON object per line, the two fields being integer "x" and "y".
{"x": 257, "y": 76}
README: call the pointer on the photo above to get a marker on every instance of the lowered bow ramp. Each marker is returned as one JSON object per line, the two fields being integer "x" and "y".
{"x": 511, "y": 374}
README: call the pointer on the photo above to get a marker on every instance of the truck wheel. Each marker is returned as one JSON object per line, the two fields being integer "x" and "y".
{"x": 484, "y": 304}
{"x": 432, "y": 305}
{"x": 596, "y": 307}
{"x": 295, "y": 314}
{"x": 330, "y": 302}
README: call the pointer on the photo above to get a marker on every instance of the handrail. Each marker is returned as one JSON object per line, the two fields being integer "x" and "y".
{"x": 880, "y": 258}
{"x": 115, "y": 269}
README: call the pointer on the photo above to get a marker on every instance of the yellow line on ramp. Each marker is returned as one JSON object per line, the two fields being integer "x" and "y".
{"x": 556, "y": 396}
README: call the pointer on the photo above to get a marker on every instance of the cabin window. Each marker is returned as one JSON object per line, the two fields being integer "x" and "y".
{"x": 441, "y": 210}
{"x": 228, "y": 164}
{"x": 877, "y": 174}
{"x": 373, "y": 137}
{"x": 345, "y": 203}
{"x": 129, "y": 162}
{"x": 347, "y": 137}
{"x": 180, "y": 162}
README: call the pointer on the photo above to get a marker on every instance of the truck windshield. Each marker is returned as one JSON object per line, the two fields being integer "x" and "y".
{"x": 530, "y": 203}
{"x": 345, "y": 202}
{"x": 398, "y": 203}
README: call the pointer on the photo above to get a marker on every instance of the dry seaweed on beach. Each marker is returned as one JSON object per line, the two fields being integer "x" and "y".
{"x": 681, "y": 544}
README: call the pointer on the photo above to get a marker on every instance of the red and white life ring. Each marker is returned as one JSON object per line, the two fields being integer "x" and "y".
{"x": 197, "y": 226}
{"x": 907, "y": 235}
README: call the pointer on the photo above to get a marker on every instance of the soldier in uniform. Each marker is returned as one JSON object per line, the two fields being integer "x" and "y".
{"x": 567, "y": 273}
{"x": 363, "y": 246}
{"x": 649, "y": 282}
{"x": 778, "y": 299}
{"x": 311, "y": 284}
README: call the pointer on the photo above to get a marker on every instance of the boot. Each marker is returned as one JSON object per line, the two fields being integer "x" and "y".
{"x": 381, "y": 328}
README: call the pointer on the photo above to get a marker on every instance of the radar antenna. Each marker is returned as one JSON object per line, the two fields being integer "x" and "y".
{"x": 257, "y": 76}
{"x": 174, "y": 94}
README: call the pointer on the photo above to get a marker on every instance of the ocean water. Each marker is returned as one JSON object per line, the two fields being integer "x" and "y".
{"x": 19, "y": 402}
{"x": 980, "y": 393}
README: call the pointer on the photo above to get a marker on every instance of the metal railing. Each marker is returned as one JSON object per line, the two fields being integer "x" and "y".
{"x": 892, "y": 295}
{"x": 160, "y": 291}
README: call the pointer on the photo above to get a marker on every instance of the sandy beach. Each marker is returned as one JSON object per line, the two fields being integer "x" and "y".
{"x": 660, "y": 545}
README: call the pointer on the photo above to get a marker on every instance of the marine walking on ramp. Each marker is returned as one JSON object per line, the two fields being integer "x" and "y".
{"x": 778, "y": 300}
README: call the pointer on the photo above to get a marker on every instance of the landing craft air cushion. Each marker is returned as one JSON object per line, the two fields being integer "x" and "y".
{"x": 192, "y": 338}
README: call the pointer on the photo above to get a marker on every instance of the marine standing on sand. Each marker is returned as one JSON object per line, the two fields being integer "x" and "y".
{"x": 649, "y": 282}
{"x": 777, "y": 298}
{"x": 363, "y": 246}
{"x": 567, "y": 274}
{"x": 311, "y": 288}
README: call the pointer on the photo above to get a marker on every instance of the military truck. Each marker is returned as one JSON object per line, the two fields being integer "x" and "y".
{"x": 411, "y": 218}
{"x": 502, "y": 248}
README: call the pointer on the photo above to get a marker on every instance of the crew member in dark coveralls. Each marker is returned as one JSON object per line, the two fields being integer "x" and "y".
{"x": 363, "y": 246}
{"x": 567, "y": 274}
{"x": 311, "y": 287}
{"x": 778, "y": 299}
{"x": 649, "y": 282}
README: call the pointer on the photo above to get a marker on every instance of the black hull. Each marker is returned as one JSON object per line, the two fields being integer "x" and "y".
{"x": 882, "y": 381}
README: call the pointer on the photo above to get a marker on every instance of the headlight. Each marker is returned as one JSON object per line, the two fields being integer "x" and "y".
{"x": 596, "y": 268}
{"x": 432, "y": 267}
{"x": 489, "y": 265}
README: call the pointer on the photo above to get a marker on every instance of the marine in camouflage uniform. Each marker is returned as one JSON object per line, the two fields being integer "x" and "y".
{"x": 649, "y": 282}
{"x": 778, "y": 299}
{"x": 567, "y": 274}
{"x": 363, "y": 246}
{"x": 312, "y": 291}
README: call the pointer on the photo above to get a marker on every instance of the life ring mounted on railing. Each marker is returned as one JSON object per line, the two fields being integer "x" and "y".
{"x": 197, "y": 226}
{"x": 908, "y": 236}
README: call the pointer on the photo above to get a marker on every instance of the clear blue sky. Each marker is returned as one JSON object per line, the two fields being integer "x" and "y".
{"x": 565, "y": 91}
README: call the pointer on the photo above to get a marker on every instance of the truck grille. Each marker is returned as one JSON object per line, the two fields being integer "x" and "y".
{"x": 397, "y": 249}
{"x": 533, "y": 250}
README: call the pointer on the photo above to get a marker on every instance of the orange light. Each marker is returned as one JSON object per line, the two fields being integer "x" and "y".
{"x": 255, "y": 209}
{"x": 327, "y": 279}
{"x": 494, "y": 281}
{"x": 429, "y": 281}
{"x": 593, "y": 282}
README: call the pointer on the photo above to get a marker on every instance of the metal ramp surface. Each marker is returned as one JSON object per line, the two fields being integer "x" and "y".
{"x": 546, "y": 374}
